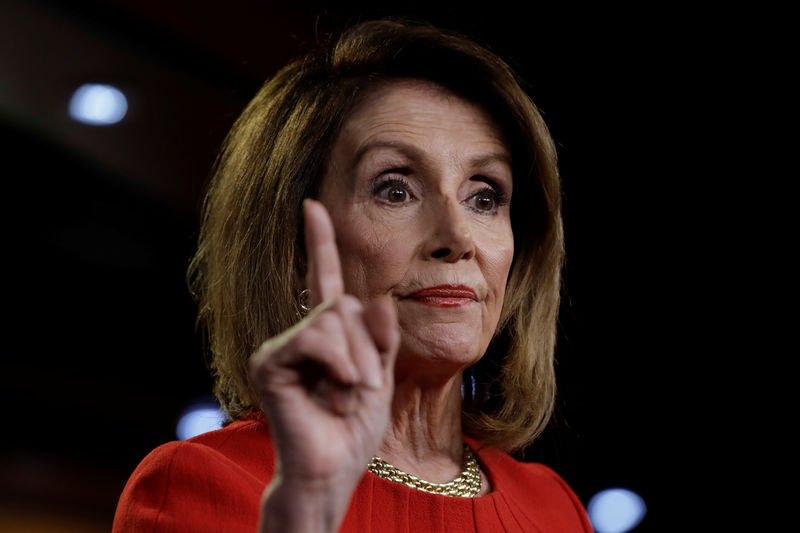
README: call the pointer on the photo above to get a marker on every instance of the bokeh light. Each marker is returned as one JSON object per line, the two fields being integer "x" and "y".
{"x": 98, "y": 104}
{"x": 199, "y": 418}
{"x": 616, "y": 510}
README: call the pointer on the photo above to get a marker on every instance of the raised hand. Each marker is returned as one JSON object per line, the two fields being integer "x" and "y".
{"x": 326, "y": 387}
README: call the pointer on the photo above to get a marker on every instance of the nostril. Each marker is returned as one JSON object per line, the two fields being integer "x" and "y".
{"x": 441, "y": 252}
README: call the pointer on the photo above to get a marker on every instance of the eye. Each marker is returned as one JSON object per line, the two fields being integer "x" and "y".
{"x": 393, "y": 191}
{"x": 485, "y": 200}
{"x": 396, "y": 194}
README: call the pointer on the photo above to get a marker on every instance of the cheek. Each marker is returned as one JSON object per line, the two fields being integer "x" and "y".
{"x": 373, "y": 258}
{"x": 498, "y": 259}
{"x": 499, "y": 253}
{"x": 504, "y": 261}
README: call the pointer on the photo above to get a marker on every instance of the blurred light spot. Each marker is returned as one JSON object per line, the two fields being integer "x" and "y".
{"x": 616, "y": 510}
{"x": 199, "y": 418}
{"x": 98, "y": 104}
{"x": 463, "y": 386}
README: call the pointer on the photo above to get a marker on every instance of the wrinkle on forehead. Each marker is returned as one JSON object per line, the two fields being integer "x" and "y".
{"x": 399, "y": 117}
{"x": 392, "y": 92}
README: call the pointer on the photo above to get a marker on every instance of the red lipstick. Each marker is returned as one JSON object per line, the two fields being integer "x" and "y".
{"x": 444, "y": 296}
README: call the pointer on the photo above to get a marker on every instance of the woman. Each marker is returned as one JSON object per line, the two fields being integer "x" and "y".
{"x": 360, "y": 219}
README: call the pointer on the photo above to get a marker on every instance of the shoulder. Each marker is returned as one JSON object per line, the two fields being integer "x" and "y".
{"x": 534, "y": 489}
{"x": 201, "y": 480}
{"x": 511, "y": 475}
{"x": 246, "y": 442}
{"x": 243, "y": 446}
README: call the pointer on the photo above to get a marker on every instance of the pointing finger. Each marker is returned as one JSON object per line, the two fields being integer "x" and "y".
{"x": 324, "y": 272}
{"x": 380, "y": 316}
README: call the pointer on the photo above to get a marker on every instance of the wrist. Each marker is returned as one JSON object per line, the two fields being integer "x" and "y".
{"x": 300, "y": 506}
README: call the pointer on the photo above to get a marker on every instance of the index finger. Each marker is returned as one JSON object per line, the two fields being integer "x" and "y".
{"x": 324, "y": 276}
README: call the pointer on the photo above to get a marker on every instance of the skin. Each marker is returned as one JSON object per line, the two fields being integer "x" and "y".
{"x": 401, "y": 190}
{"x": 416, "y": 195}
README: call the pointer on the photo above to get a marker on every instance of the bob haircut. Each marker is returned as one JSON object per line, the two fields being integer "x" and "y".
{"x": 249, "y": 266}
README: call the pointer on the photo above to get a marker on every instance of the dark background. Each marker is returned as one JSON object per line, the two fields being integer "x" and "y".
{"x": 100, "y": 352}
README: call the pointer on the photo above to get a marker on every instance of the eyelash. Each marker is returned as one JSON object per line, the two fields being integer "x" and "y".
{"x": 500, "y": 198}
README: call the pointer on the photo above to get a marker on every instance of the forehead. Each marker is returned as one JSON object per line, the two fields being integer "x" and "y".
{"x": 413, "y": 108}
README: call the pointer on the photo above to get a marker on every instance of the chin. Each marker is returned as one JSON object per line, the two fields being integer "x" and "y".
{"x": 440, "y": 355}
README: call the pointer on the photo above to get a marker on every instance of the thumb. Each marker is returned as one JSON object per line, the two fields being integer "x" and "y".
{"x": 380, "y": 316}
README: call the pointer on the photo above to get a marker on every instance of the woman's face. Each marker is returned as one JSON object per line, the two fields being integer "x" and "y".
{"x": 419, "y": 187}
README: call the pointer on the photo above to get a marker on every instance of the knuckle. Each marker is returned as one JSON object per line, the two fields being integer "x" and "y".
{"x": 319, "y": 343}
{"x": 327, "y": 321}
{"x": 349, "y": 304}
{"x": 304, "y": 341}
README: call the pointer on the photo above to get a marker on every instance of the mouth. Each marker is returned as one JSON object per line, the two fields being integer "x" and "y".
{"x": 444, "y": 296}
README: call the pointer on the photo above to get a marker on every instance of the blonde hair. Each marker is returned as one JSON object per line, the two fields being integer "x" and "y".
{"x": 250, "y": 261}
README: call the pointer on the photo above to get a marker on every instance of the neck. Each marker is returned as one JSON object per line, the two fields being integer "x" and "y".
{"x": 424, "y": 436}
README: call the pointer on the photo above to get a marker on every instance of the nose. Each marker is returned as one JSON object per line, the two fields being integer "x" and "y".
{"x": 450, "y": 237}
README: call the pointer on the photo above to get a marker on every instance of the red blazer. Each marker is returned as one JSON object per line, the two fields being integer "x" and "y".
{"x": 214, "y": 483}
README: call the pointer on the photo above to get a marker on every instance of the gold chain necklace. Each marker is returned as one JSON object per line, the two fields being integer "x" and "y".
{"x": 466, "y": 485}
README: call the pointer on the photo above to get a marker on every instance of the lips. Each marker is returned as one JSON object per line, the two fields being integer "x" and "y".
{"x": 444, "y": 296}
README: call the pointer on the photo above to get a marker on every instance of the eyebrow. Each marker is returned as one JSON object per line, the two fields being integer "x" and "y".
{"x": 415, "y": 154}
{"x": 483, "y": 160}
{"x": 408, "y": 150}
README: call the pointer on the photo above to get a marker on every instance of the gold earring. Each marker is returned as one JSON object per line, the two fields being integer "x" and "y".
{"x": 304, "y": 301}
